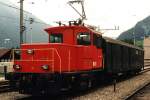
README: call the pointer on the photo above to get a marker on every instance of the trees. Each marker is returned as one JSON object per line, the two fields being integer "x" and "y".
{"x": 138, "y": 43}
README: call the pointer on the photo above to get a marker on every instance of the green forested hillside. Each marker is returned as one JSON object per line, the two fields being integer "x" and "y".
{"x": 139, "y": 31}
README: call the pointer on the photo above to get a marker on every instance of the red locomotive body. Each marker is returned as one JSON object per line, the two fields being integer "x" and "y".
{"x": 72, "y": 55}
{"x": 71, "y": 49}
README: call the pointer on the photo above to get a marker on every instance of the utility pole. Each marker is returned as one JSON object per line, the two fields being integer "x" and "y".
{"x": 21, "y": 22}
{"x": 134, "y": 36}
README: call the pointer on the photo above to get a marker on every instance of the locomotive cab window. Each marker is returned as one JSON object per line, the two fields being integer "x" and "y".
{"x": 56, "y": 38}
{"x": 83, "y": 38}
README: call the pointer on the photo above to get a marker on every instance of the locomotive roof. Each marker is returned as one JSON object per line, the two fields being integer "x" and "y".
{"x": 107, "y": 39}
{"x": 86, "y": 28}
{"x": 66, "y": 27}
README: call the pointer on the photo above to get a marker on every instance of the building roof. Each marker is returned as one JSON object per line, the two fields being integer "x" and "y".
{"x": 3, "y": 52}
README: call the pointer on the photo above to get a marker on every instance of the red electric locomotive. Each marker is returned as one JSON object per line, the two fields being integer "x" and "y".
{"x": 73, "y": 53}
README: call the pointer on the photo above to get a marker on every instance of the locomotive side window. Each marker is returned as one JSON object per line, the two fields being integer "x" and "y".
{"x": 94, "y": 39}
{"x": 83, "y": 38}
{"x": 97, "y": 40}
{"x": 56, "y": 38}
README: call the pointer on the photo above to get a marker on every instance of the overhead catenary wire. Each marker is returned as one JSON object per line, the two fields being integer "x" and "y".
{"x": 15, "y": 19}
{"x": 11, "y": 6}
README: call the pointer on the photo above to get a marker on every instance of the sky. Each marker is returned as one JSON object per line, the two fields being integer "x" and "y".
{"x": 105, "y": 14}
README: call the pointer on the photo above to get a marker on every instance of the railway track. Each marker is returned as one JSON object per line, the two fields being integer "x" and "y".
{"x": 4, "y": 86}
{"x": 136, "y": 91}
{"x": 145, "y": 70}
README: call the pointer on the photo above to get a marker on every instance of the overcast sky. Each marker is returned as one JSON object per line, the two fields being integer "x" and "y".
{"x": 103, "y": 13}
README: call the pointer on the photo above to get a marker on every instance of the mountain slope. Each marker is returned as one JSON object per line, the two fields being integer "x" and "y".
{"x": 9, "y": 27}
{"x": 140, "y": 30}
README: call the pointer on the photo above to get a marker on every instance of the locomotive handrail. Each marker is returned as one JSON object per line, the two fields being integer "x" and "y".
{"x": 54, "y": 50}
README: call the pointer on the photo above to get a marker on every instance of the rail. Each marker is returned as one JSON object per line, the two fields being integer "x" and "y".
{"x": 146, "y": 69}
{"x": 127, "y": 97}
{"x": 136, "y": 91}
{"x": 5, "y": 87}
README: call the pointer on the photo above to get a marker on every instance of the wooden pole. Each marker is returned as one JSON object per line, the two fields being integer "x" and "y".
{"x": 21, "y": 21}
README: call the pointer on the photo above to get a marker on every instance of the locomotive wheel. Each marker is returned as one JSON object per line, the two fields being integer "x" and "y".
{"x": 14, "y": 85}
{"x": 85, "y": 84}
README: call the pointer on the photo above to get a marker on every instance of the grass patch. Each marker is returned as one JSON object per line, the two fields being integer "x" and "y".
{"x": 1, "y": 74}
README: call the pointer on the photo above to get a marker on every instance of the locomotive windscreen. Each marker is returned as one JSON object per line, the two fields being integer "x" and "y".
{"x": 56, "y": 38}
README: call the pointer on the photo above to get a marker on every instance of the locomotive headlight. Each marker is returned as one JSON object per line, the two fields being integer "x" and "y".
{"x": 45, "y": 67}
{"x": 17, "y": 67}
{"x": 17, "y": 51}
{"x": 30, "y": 51}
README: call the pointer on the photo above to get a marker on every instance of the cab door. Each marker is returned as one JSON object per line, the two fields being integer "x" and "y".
{"x": 85, "y": 51}
{"x": 97, "y": 43}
